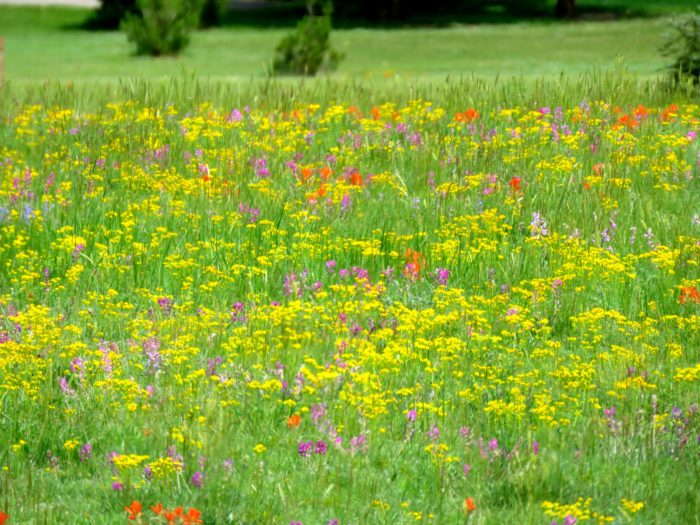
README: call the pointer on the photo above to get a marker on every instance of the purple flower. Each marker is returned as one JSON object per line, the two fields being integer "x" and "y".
{"x": 569, "y": 520}
{"x": 442, "y": 275}
{"x": 493, "y": 445}
{"x": 238, "y": 313}
{"x": 67, "y": 390}
{"x": 85, "y": 452}
{"x": 165, "y": 304}
{"x": 411, "y": 416}
{"x": 538, "y": 226}
{"x": 466, "y": 469}
{"x": 305, "y": 448}
{"x": 358, "y": 443}
{"x": 346, "y": 203}
{"x": 317, "y": 412}
{"x": 321, "y": 447}
{"x": 434, "y": 433}
{"x": 330, "y": 265}
{"x": 117, "y": 486}
{"x": 535, "y": 448}
{"x": 197, "y": 479}
{"x": 235, "y": 115}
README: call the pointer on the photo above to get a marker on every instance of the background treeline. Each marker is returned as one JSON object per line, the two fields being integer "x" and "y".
{"x": 213, "y": 12}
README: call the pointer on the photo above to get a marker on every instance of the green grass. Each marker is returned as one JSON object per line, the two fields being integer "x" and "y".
{"x": 99, "y": 220}
{"x": 41, "y": 46}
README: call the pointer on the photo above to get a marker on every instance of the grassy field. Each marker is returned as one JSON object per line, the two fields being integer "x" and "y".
{"x": 40, "y": 46}
{"x": 379, "y": 297}
{"x": 327, "y": 303}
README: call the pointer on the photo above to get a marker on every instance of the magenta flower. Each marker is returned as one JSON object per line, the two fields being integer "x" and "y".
{"x": 197, "y": 479}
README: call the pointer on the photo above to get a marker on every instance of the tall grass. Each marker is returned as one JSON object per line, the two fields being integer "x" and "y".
{"x": 284, "y": 301}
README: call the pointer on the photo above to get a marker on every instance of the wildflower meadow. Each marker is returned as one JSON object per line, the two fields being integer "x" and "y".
{"x": 336, "y": 310}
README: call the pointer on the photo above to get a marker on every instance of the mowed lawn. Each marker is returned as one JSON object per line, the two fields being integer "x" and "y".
{"x": 42, "y": 44}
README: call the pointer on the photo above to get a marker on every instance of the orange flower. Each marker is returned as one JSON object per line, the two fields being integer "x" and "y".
{"x": 326, "y": 173}
{"x": 641, "y": 112}
{"x": 515, "y": 183}
{"x": 598, "y": 168}
{"x": 133, "y": 510}
{"x": 468, "y": 116}
{"x": 356, "y": 178}
{"x": 414, "y": 262}
{"x": 192, "y": 517}
{"x": 306, "y": 174}
{"x": 626, "y": 121}
{"x": 690, "y": 293}
{"x": 293, "y": 421}
{"x": 375, "y": 113}
{"x": 668, "y": 113}
{"x": 469, "y": 505}
{"x": 3, "y": 517}
{"x": 157, "y": 509}
{"x": 169, "y": 516}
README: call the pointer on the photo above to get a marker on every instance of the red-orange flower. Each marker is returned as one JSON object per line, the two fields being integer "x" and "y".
{"x": 293, "y": 421}
{"x": 356, "y": 178}
{"x": 192, "y": 517}
{"x": 667, "y": 114}
{"x": 690, "y": 293}
{"x": 626, "y": 121}
{"x": 306, "y": 174}
{"x": 414, "y": 263}
{"x": 157, "y": 509}
{"x": 3, "y": 517}
{"x": 134, "y": 510}
{"x": 468, "y": 116}
{"x": 515, "y": 183}
{"x": 469, "y": 505}
{"x": 641, "y": 112}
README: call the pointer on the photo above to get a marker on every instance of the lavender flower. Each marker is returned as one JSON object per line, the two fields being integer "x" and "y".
{"x": 197, "y": 479}
{"x": 85, "y": 452}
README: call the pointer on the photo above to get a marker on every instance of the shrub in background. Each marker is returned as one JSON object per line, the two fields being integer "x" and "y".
{"x": 213, "y": 12}
{"x": 111, "y": 13}
{"x": 162, "y": 27}
{"x": 307, "y": 50}
{"x": 683, "y": 45}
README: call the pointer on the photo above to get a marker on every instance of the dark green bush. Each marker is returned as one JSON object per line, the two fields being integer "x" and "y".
{"x": 213, "y": 12}
{"x": 683, "y": 45}
{"x": 307, "y": 50}
{"x": 162, "y": 27}
{"x": 111, "y": 13}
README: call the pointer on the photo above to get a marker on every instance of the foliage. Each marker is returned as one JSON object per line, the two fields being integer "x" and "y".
{"x": 111, "y": 13}
{"x": 163, "y": 27}
{"x": 307, "y": 50}
{"x": 213, "y": 12}
{"x": 317, "y": 302}
{"x": 683, "y": 45}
